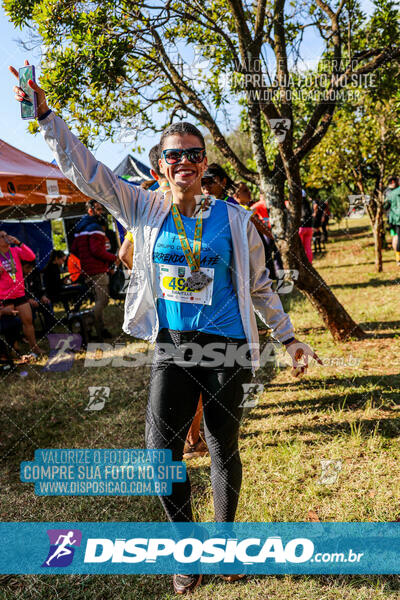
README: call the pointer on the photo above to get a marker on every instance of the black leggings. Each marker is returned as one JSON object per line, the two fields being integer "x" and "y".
{"x": 173, "y": 398}
{"x": 324, "y": 226}
{"x": 397, "y": 232}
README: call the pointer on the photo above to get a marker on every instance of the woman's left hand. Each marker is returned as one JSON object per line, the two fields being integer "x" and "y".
{"x": 13, "y": 240}
{"x": 299, "y": 351}
{"x": 20, "y": 94}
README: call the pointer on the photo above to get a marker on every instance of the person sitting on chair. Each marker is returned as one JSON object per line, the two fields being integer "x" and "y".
{"x": 37, "y": 298}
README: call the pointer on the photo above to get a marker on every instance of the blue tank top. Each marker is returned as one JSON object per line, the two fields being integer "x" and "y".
{"x": 215, "y": 310}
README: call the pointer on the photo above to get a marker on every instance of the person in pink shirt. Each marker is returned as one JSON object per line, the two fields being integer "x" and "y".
{"x": 305, "y": 229}
{"x": 12, "y": 286}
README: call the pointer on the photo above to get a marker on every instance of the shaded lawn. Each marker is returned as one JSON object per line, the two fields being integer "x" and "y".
{"x": 347, "y": 409}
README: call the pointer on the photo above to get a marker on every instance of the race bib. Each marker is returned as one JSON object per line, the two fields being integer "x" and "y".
{"x": 172, "y": 285}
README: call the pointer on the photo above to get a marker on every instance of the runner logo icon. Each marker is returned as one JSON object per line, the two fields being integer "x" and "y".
{"x": 61, "y": 551}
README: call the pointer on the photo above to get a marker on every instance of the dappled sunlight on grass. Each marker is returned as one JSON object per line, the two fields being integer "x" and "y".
{"x": 346, "y": 410}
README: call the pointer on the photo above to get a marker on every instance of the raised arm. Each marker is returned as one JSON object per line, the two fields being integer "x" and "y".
{"x": 25, "y": 253}
{"x": 96, "y": 180}
{"x": 126, "y": 202}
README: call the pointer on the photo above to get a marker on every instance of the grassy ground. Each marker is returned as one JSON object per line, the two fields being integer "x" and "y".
{"x": 347, "y": 410}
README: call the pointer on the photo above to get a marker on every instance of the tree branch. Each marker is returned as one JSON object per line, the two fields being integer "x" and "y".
{"x": 323, "y": 112}
{"x": 324, "y": 119}
{"x": 204, "y": 116}
{"x": 260, "y": 20}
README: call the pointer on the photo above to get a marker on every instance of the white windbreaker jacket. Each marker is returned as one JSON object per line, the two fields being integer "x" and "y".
{"x": 143, "y": 212}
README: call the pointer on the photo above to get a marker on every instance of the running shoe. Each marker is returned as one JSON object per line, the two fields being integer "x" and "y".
{"x": 195, "y": 450}
{"x": 185, "y": 584}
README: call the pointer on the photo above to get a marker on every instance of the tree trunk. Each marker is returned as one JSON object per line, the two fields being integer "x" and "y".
{"x": 377, "y": 230}
{"x": 273, "y": 193}
{"x": 375, "y": 213}
{"x": 285, "y": 224}
{"x": 272, "y": 184}
{"x": 333, "y": 314}
{"x": 310, "y": 282}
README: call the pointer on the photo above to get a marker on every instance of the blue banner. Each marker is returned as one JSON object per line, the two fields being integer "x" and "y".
{"x": 35, "y": 234}
{"x": 250, "y": 548}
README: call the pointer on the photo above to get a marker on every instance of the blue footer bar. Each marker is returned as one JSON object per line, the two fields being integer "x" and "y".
{"x": 250, "y": 548}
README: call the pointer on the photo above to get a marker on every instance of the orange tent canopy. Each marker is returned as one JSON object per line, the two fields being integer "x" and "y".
{"x": 27, "y": 180}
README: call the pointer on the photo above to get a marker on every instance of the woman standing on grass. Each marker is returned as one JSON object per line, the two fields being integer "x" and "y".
{"x": 195, "y": 280}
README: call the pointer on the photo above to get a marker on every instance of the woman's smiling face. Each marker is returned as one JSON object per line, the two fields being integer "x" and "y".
{"x": 184, "y": 174}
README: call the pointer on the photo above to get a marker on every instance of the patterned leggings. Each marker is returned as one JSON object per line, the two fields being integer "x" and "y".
{"x": 173, "y": 398}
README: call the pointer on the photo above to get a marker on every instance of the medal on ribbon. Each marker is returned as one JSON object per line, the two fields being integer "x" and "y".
{"x": 197, "y": 280}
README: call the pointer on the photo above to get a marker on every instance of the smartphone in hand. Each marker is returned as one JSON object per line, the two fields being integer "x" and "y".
{"x": 29, "y": 104}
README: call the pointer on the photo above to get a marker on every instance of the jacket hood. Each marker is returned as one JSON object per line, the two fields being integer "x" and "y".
{"x": 88, "y": 223}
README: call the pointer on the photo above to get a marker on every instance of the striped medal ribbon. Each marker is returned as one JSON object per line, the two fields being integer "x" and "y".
{"x": 197, "y": 279}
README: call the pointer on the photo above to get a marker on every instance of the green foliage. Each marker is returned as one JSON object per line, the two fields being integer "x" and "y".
{"x": 240, "y": 143}
{"x": 58, "y": 235}
{"x": 360, "y": 149}
{"x": 112, "y": 65}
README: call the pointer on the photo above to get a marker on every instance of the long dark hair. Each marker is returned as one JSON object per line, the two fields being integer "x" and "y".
{"x": 53, "y": 255}
{"x": 216, "y": 170}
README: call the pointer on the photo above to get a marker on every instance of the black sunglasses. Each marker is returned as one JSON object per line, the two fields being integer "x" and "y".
{"x": 174, "y": 156}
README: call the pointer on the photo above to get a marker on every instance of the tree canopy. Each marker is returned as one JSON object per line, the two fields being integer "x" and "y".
{"x": 113, "y": 64}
